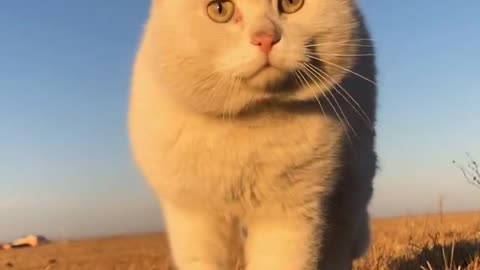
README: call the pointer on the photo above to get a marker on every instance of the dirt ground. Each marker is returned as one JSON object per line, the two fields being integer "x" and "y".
{"x": 426, "y": 242}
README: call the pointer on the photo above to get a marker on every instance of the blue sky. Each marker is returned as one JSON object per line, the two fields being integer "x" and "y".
{"x": 65, "y": 166}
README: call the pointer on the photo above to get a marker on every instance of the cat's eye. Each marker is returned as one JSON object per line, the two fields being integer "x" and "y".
{"x": 290, "y": 6}
{"x": 220, "y": 11}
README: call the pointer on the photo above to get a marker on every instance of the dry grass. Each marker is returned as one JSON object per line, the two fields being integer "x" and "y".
{"x": 429, "y": 242}
{"x": 146, "y": 252}
{"x": 449, "y": 242}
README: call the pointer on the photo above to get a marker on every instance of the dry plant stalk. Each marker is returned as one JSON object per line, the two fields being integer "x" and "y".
{"x": 471, "y": 172}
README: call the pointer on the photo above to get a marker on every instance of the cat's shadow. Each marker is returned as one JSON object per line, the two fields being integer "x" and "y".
{"x": 440, "y": 257}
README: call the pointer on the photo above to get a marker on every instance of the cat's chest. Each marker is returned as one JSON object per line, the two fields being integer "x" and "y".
{"x": 217, "y": 151}
{"x": 219, "y": 158}
{"x": 227, "y": 150}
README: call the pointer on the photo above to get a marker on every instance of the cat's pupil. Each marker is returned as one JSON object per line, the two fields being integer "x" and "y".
{"x": 219, "y": 7}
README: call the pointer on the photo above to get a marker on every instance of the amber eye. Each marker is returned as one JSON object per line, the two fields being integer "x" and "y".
{"x": 221, "y": 11}
{"x": 290, "y": 6}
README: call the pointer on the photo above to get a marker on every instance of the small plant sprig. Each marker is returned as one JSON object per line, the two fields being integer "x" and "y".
{"x": 471, "y": 172}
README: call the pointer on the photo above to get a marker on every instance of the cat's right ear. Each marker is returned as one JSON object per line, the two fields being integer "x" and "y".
{"x": 154, "y": 4}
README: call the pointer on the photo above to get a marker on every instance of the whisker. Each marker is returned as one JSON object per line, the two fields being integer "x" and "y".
{"x": 232, "y": 66}
{"x": 313, "y": 92}
{"x": 298, "y": 80}
{"x": 346, "y": 55}
{"x": 299, "y": 84}
{"x": 218, "y": 84}
{"x": 321, "y": 80}
{"x": 227, "y": 98}
{"x": 342, "y": 68}
{"x": 352, "y": 42}
{"x": 218, "y": 75}
{"x": 352, "y": 39}
{"x": 235, "y": 88}
{"x": 327, "y": 99}
{"x": 349, "y": 100}
{"x": 343, "y": 44}
{"x": 205, "y": 81}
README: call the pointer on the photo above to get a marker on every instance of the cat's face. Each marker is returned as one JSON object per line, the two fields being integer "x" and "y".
{"x": 222, "y": 55}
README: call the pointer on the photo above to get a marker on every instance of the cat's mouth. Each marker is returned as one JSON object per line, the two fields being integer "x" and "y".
{"x": 267, "y": 66}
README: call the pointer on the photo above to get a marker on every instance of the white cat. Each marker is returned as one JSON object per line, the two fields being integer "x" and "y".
{"x": 258, "y": 113}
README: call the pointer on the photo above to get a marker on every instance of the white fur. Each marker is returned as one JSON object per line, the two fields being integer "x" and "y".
{"x": 226, "y": 154}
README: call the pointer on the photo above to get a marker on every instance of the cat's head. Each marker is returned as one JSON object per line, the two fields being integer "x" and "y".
{"x": 220, "y": 56}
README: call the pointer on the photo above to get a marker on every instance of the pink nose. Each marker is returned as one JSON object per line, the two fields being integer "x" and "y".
{"x": 265, "y": 41}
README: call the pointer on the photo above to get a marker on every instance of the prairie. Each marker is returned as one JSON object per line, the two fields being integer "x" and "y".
{"x": 413, "y": 242}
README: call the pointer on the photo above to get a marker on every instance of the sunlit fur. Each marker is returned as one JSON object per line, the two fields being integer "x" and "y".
{"x": 286, "y": 151}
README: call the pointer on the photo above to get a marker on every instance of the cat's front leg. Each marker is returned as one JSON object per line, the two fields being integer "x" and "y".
{"x": 283, "y": 240}
{"x": 199, "y": 239}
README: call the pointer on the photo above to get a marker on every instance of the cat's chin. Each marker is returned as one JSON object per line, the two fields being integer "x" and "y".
{"x": 264, "y": 77}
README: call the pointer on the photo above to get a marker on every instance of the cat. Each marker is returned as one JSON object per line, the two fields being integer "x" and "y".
{"x": 258, "y": 116}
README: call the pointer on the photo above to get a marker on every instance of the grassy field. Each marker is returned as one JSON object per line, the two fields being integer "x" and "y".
{"x": 426, "y": 242}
